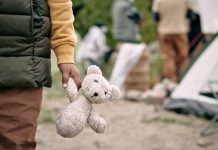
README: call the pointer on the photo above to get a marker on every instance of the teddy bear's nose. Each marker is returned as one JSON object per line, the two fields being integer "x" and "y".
{"x": 95, "y": 94}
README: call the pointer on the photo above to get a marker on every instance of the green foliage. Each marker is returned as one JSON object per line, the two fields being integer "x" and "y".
{"x": 96, "y": 10}
{"x": 155, "y": 68}
{"x": 148, "y": 28}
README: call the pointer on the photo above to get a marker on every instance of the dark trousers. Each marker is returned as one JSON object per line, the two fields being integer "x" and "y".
{"x": 19, "y": 111}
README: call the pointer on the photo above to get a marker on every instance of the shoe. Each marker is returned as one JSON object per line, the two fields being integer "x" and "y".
{"x": 134, "y": 95}
{"x": 169, "y": 84}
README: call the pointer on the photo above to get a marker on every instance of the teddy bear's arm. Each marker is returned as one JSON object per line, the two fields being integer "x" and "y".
{"x": 71, "y": 90}
{"x": 97, "y": 123}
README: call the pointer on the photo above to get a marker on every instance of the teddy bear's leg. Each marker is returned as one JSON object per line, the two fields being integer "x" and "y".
{"x": 73, "y": 119}
{"x": 97, "y": 123}
{"x": 71, "y": 90}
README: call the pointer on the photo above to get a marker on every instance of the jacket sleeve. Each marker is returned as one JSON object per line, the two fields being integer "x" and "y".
{"x": 134, "y": 15}
{"x": 63, "y": 37}
{"x": 190, "y": 10}
{"x": 155, "y": 11}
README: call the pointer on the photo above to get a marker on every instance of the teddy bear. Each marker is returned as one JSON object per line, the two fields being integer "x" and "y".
{"x": 95, "y": 89}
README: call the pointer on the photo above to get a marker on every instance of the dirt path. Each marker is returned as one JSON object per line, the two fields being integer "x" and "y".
{"x": 131, "y": 126}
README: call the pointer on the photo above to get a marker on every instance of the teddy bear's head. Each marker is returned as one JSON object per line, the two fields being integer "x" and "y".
{"x": 96, "y": 88}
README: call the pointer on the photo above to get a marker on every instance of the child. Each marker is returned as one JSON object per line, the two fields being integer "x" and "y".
{"x": 25, "y": 63}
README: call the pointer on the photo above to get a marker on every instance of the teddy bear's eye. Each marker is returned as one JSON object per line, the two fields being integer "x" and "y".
{"x": 96, "y": 81}
{"x": 105, "y": 93}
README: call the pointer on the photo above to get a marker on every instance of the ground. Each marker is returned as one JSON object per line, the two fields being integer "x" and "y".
{"x": 131, "y": 126}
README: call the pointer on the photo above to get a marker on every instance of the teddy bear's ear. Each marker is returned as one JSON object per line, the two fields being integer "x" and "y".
{"x": 115, "y": 94}
{"x": 93, "y": 69}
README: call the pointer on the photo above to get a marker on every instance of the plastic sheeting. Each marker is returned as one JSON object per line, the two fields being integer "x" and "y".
{"x": 209, "y": 15}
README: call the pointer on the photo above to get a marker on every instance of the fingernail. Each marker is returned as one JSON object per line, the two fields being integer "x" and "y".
{"x": 64, "y": 85}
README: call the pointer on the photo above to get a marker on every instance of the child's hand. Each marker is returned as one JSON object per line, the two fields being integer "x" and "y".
{"x": 69, "y": 70}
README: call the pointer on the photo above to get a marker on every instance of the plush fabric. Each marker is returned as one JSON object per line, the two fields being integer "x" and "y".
{"x": 95, "y": 90}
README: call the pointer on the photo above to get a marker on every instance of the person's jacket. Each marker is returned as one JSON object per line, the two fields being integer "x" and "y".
{"x": 125, "y": 27}
{"x": 24, "y": 43}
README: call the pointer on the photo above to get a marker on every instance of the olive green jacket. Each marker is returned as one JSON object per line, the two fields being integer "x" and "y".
{"x": 24, "y": 43}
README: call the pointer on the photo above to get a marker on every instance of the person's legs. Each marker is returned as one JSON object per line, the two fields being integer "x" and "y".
{"x": 168, "y": 54}
{"x": 182, "y": 59}
{"x": 19, "y": 111}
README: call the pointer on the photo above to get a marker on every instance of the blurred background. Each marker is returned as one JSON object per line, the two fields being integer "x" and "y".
{"x": 155, "y": 112}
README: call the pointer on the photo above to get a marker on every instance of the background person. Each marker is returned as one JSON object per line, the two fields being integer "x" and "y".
{"x": 93, "y": 47}
{"x": 172, "y": 27}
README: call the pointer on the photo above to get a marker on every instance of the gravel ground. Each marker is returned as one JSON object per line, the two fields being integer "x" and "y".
{"x": 131, "y": 126}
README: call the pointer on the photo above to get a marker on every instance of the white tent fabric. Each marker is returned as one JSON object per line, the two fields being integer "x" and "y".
{"x": 199, "y": 73}
{"x": 209, "y": 15}
{"x": 187, "y": 96}
{"x": 213, "y": 81}
{"x": 128, "y": 55}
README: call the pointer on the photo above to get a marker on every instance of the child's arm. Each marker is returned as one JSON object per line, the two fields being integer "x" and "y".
{"x": 63, "y": 38}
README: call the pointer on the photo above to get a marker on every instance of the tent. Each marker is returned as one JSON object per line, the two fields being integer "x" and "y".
{"x": 198, "y": 89}
{"x": 209, "y": 15}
